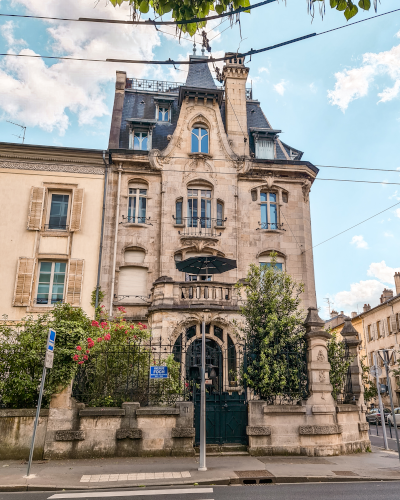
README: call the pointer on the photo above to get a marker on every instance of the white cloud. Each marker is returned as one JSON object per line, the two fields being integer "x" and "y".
{"x": 397, "y": 212}
{"x": 354, "y": 83}
{"x": 363, "y": 292}
{"x": 35, "y": 93}
{"x": 263, "y": 69}
{"x": 388, "y": 235}
{"x": 383, "y": 272}
{"x": 313, "y": 88}
{"x": 359, "y": 242}
{"x": 395, "y": 195}
{"x": 280, "y": 87}
{"x": 7, "y": 32}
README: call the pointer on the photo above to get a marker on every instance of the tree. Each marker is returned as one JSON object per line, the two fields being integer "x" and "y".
{"x": 184, "y": 10}
{"x": 274, "y": 334}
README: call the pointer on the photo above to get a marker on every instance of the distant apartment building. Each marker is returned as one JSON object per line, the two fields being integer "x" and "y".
{"x": 51, "y": 208}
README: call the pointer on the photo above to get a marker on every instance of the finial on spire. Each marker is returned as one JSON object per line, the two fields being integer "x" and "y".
{"x": 194, "y": 47}
{"x": 203, "y": 50}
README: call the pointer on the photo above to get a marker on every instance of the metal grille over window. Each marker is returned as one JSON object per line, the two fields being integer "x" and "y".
{"x": 137, "y": 205}
{"x": 51, "y": 283}
{"x": 199, "y": 140}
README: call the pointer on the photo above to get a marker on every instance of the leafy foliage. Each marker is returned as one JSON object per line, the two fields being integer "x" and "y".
{"x": 370, "y": 391}
{"x": 340, "y": 364}
{"x": 22, "y": 351}
{"x": 184, "y": 10}
{"x": 274, "y": 333}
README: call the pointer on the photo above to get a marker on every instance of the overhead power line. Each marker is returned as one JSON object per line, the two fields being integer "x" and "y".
{"x": 147, "y": 22}
{"x": 198, "y": 61}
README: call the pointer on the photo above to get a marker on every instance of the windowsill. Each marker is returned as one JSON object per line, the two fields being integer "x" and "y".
{"x": 219, "y": 227}
{"x": 280, "y": 231}
{"x": 179, "y": 225}
{"x": 134, "y": 264}
{"x": 55, "y": 232}
{"x": 200, "y": 155}
{"x": 134, "y": 224}
{"x": 40, "y": 309}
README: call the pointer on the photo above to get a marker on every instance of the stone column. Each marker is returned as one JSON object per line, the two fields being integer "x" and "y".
{"x": 320, "y": 400}
{"x": 350, "y": 336}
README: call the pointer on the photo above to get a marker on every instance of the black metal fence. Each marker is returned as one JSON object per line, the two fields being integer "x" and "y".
{"x": 346, "y": 395}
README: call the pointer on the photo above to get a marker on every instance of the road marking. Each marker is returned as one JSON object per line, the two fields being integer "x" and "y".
{"x": 134, "y": 493}
{"x": 97, "y": 478}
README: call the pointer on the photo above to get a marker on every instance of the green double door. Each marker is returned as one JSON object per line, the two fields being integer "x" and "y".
{"x": 226, "y": 418}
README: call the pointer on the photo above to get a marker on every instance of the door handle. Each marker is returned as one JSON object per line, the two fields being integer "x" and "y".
{"x": 226, "y": 405}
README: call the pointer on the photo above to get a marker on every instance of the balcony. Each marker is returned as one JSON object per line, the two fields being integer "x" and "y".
{"x": 271, "y": 226}
{"x": 168, "y": 294}
{"x": 200, "y": 227}
{"x": 135, "y": 220}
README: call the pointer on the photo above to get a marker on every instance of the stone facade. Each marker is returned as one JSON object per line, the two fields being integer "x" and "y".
{"x": 143, "y": 251}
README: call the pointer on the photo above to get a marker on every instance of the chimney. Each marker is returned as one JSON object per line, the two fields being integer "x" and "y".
{"x": 397, "y": 282}
{"x": 333, "y": 313}
{"x": 341, "y": 313}
{"x": 386, "y": 295}
{"x": 366, "y": 308}
{"x": 235, "y": 75}
{"x": 353, "y": 314}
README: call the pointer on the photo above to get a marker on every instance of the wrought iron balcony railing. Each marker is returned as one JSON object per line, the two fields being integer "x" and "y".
{"x": 199, "y": 226}
{"x": 270, "y": 225}
{"x": 136, "y": 220}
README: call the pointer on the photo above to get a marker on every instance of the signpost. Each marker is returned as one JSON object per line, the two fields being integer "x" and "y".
{"x": 48, "y": 363}
{"x": 376, "y": 372}
{"x": 158, "y": 372}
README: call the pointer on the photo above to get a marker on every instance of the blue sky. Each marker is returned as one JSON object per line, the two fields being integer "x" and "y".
{"x": 335, "y": 97}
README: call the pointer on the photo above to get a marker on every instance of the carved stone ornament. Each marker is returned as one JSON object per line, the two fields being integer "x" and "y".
{"x": 69, "y": 435}
{"x": 306, "y": 188}
{"x": 199, "y": 243}
{"x": 322, "y": 376}
{"x": 183, "y": 432}
{"x": 321, "y": 430}
{"x": 320, "y": 356}
{"x": 129, "y": 434}
{"x": 363, "y": 426}
{"x": 258, "y": 431}
{"x": 53, "y": 167}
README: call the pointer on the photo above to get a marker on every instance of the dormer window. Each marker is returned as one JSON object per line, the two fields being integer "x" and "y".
{"x": 163, "y": 114}
{"x": 199, "y": 140}
{"x": 140, "y": 133}
{"x": 265, "y": 149}
{"x": 140, "y": 141}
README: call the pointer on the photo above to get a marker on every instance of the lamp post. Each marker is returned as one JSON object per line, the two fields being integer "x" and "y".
{"x": 202, "y": 466}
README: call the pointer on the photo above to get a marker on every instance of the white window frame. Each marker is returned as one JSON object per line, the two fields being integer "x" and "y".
{"x": 270, "y": 151}
{"x": 49, "y": 201}
{"x": 50, "y": 293}
{"x": 199, "y": 139}
{"x": 199, "y": 219}
{"x": 140, "y": 131}
{"x": 137, "y": 196}
{"x": 167, "y": 108}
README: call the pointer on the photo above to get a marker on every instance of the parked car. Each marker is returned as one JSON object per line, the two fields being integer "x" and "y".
{"x": 375, "y": 415}
{"x": 397, "y": 416}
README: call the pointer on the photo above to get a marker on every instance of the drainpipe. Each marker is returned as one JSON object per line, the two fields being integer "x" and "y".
{"x": 102, "y": 230}
{"x": 115, "y": 241}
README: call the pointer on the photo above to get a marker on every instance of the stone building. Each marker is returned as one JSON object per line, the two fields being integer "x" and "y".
{"x": 197, "y": 169}
{"x": 379, "y": 328}
{"x": 51, "y": 210}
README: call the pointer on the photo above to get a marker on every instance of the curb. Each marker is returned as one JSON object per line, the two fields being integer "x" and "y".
{"x": 243, "y": 481}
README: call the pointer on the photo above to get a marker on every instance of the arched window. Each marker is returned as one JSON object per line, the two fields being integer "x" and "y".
{"x": 199, "y": 140}
{"x": 269, "y": 210}
{"x": 137, "y": 202}
{"x": 265, "y": 261}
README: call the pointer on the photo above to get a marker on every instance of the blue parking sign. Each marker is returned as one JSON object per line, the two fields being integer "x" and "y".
{"x": 158, "y": 372}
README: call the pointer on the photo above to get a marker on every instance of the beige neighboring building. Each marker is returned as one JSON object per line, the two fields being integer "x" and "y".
{"x": 51, "y": 210}
{"x": 197, "y": 169}
{"x": 378, "y": 328}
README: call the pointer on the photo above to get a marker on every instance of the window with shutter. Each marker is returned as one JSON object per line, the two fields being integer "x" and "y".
{"x": 374, "y": 332}
{"x": 23, "y": 282}
{"x": 75, "y": 280}
{"x": 393, "y": 323}
{"x": 132, "y": 284}
{"x": 76, "y": 213}
{"x": 36, "y": 209}
{"x": 265, "y": 149}
{"x": 383, "y": 328}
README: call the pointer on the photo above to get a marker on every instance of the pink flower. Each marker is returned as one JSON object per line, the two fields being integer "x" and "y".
{"x": 78, "y": 348}
{"x": 102, "y": 307}
{"x": 85, "y": 357}
{"x": 88, "y": 351}
{"x": 144, "y": 327}
{"x": 80, "y": 362}
{"x": 76, "y": 357}
{"x": 135, "y": 336}
{"x": 122, "y": 309}
{"x": 95, "y": 323}
{"x": 103, "y": 324}
{"x": 107, "y": 337}
{"x": 132, "y": 326}
{"x": 99, "y": 339}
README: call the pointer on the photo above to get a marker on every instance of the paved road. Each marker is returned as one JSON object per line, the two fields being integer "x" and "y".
{"x": 377, "y": 440}
{"x": 325, "y": 491}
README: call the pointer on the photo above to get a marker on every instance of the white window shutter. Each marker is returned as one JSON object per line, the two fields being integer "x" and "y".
{"x": 36, "y": 209}
{"x": 76, "y": 212}
{"x": 374, "y": 332}
{"x": 265, "y": 149}
{"x": 393, "y": 323}
{"x": 132, "y": 282}
{"x": 383, "y": 328}
{"x": 75, "y": 281}
{"x": 23, "y": 281}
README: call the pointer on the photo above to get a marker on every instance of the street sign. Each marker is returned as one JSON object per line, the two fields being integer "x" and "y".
{"x": 375, "y": 371}
{"x": 48, "y": 361}
{"x": 158, "y": 372}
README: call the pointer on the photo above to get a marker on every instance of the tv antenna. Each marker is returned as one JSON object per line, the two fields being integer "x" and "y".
{"x": 329, "y": 302}
{"x": 23, "y": 131}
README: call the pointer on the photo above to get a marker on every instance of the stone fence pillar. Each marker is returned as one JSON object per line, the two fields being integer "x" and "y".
{"x": 320, "y": 400}
{"x": 350, "y": 336}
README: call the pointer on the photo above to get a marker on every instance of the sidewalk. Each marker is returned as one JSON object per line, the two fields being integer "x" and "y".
{"x": 129, "y": 472}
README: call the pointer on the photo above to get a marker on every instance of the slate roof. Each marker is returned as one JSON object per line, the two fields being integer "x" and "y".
{"x": 199, "y": 75}
{"x": 143, "y": 105}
